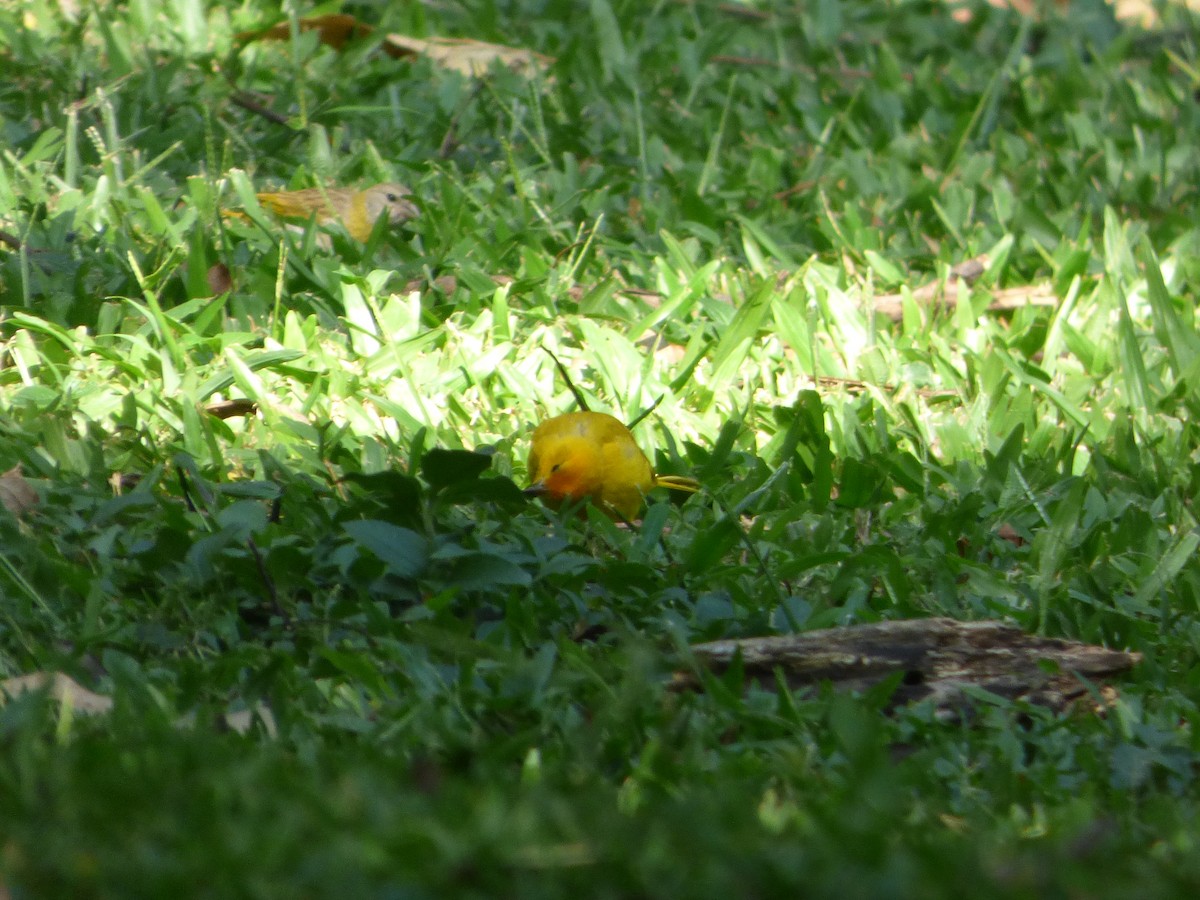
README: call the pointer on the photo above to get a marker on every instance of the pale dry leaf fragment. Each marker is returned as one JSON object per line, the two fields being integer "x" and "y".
{"x": 1141, "y": 12}
{"x": 240, "y": 722}
{"x": 16, "y": 494}
{"x": 60, "y": 687}
{"x": 67, "y": 690}
{"x": 468, "y": 56}
{"x": 69, "y": 9}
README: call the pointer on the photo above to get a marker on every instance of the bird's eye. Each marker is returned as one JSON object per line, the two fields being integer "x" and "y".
{"x": 554, "y": 468}
{"x": 392, "y": 198}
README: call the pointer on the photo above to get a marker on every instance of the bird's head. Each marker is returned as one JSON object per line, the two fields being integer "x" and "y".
{"x": 392, "y": 198}
{"x": 562, "y": 468}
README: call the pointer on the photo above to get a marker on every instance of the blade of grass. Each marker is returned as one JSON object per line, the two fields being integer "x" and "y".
{"x": 1174, "y": 332}
{"x": 736, "y": 343}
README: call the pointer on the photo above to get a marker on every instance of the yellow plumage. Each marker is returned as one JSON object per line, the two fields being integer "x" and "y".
{"x": 593, "y": 455}
{"x": 356, "y": 210}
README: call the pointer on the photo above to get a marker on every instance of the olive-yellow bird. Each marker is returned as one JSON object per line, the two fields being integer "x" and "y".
{"x": 593, "y": 455}
{"x": 356, "y": 210}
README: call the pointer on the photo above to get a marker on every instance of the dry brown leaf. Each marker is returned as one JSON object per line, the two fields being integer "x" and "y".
{"x": 220, "y": 280}
{"x": 335, "y": 30}
{"x": 467, "y": 56}
{"x": 231, "y": 409}
{"x": 16, "y": 494}
{"x": 1141, "y": 12}
{"x": 447, "y": 284}
{"x": 61, "y": 687}
{"x": 1007, "y": 533}
{"x": 470, "y": 57}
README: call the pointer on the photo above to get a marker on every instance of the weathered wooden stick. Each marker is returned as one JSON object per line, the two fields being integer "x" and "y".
{"x": 936, "y": 658}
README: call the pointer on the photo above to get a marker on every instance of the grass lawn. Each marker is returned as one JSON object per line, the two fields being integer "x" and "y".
{"x": 264, "y": 483}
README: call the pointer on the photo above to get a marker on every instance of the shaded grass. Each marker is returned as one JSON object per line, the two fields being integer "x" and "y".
{"x": 469, "y": 689}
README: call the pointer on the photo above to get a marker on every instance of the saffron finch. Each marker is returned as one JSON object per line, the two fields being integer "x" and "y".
{"x": 356, "y": 210}
{"x": 593, "y": 455}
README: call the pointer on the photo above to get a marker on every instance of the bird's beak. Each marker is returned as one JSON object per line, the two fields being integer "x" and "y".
{"x": 403, "y": 211}
{"x": 535, "y": 490}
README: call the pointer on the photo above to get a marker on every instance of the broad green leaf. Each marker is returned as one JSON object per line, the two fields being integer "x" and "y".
{"x": 475, "y": 571}
{"x": 404, "y": 551}
{"x": 736, "y": 341}
{"x": 441, "y": 467}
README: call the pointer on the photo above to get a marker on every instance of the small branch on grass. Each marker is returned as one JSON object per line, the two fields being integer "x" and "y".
{"x": 800, "y": 187}
{"x": 937, "y": 659}
{"x": 645, "y": 412}
{"x": 749, "y": 62}
{"x": 185, "y": 489}
{"x": 450, "y": 140}
{"x": 969, "y": 271}
{"x": 733, "y": 10}
{"x": 1005, "y": 300}
{"x": 762, "y": 62}
{"x": 857, "y": 386}
{"x": 1027, "y": 295}
{"x": 265, "y": 576}
{"x": 562, "y": 370}
{"x": 206, "y": 511}
{"x": 248, "y": 103}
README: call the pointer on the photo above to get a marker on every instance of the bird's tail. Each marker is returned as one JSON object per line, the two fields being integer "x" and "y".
{"x": 295, "y": 204}
{"x": 677, "y": 483}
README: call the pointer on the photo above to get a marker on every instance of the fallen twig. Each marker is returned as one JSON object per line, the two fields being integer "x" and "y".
{"x": 938, "y": 659}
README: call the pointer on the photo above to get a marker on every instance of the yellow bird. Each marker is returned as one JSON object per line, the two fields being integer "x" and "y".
{"x": 593, "y": 455}
{"x": 356, "y": 210}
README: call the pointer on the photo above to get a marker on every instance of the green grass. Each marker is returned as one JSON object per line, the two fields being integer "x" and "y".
{"x": 466, "y": 691}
